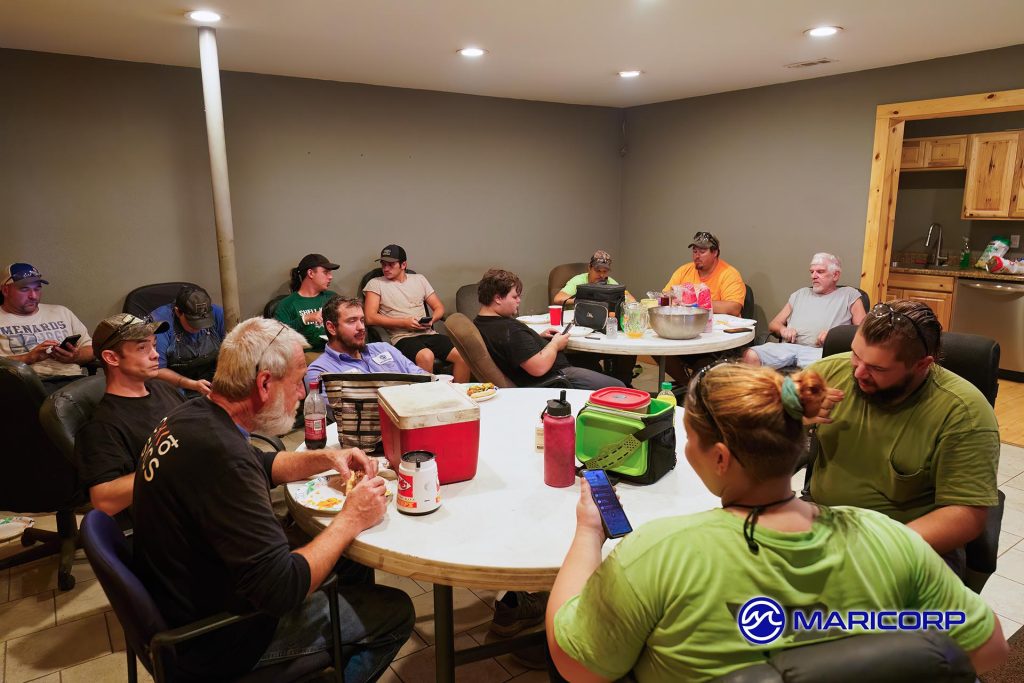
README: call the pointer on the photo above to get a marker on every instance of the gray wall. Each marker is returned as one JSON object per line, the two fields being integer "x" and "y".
{"x": 777, "y": 173}
{"x": 105, "y": 182}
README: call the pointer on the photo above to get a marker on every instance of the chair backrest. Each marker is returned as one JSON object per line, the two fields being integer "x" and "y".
{"x": 66, "y": 411}
{"x": 470, "y": 344}
{"x": 466, "y": 300}
{"x": 111, "y": 560}
{"x": 271, "y": 306}
{"x": 864, "y": 299}
{"x": 747, "y": 311}
{"x": 142, "y": 300}
{"x": 559, "y": 275}
{"x": 36, "y": 475}
{"x": 973, "y": 357}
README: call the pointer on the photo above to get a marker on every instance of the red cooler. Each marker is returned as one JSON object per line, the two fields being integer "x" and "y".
{"x": 436, "y": 417}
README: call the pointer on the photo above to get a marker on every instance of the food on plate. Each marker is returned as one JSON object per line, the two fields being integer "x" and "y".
{"x": 346, "y": 486}
{"x": 481, "y": 391}
{"x": 328, "y": 503}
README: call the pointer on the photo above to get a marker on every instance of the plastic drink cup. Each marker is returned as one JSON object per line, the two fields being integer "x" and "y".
{"x": 689, "y": 295}
{"x": 555, "y": 315}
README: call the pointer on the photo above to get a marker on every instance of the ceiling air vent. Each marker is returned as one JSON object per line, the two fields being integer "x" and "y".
{"x": 813, "y": 62}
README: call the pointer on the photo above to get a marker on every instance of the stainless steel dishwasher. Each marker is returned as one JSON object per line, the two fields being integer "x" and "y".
{"x": 993, "y": 309}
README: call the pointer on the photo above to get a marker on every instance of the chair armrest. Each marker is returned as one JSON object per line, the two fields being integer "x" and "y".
{"x": 272, "y": 440}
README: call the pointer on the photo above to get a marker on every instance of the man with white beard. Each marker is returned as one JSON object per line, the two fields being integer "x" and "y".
{"x": 207, "y": 540}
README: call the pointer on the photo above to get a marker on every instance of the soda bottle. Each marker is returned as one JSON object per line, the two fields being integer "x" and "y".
{"x": 666, "y": 394}
{"x": 316, "y": 418}
{"x": 559, "y": 443}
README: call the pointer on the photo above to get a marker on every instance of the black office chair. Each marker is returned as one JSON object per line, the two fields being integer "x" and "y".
{"x": 146, "y": 634}
{"x": 877, "y": 657}
{"x": 270, "y": 308}
{"x": 141, "y": 301}
{"x": 37, "y": 478}
{"x": 748, "y": 311}
{"x": 976, "y": 359}
{"x": 467, "y": 302}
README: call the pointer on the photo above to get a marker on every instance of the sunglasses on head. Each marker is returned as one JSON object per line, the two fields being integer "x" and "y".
{"x": 895, "y": 319}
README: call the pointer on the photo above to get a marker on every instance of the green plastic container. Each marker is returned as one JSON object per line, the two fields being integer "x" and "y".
{"x": 597, "y": 426}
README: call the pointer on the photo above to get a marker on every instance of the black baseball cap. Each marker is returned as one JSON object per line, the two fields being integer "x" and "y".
{"x": 195, "y": 304}
{"x": 313, "y": 261}
{"x": 392, "y": 253}
{"x": 704, "y": 240}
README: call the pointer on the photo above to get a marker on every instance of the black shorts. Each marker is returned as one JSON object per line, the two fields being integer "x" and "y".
{"x": 438, "y": 343}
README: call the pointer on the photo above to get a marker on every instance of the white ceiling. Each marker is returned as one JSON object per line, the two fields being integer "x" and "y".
{"x": 551, "y": 50}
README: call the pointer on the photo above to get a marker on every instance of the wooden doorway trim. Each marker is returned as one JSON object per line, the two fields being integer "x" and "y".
{"x": 885, "y": 170}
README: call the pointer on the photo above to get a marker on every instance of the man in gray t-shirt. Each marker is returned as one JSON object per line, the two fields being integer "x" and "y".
{"x": 808, "y": 316}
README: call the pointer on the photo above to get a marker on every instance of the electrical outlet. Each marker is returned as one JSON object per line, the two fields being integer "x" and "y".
{"x": 1014, "y": 241}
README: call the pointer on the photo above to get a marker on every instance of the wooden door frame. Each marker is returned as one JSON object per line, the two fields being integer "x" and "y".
{"x": 890, "y": 120}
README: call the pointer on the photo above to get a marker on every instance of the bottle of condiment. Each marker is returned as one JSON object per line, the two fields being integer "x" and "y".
{"x": 559, "y": 443}
{"x": 666, "y": 394}
{"x": 965, "y": 254}
{"x": 315, "y": 413}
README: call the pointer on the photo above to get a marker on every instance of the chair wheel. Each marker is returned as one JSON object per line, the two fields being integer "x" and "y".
{"x": 65, "y": 581}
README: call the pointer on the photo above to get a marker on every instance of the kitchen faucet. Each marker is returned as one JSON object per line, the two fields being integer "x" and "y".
{"x": 934, "y": 258}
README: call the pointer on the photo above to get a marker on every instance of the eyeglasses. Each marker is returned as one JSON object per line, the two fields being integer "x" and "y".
{"x": 698, "y": 394}
{"x": 895, "y": 319}
{"x": 128, "y": 321}
{"x": 258, "y": 362}
{"x": 705, "y": 236}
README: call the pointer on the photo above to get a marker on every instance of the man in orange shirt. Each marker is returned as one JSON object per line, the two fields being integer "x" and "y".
{"x": 727, "y": 294}
{"x": 724, "y": 281}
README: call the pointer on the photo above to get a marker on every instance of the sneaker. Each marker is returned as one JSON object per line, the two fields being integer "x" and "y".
{"x": 516, "y": 611}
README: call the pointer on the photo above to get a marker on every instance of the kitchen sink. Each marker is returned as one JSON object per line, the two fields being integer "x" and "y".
{"x": 920, "y": 266}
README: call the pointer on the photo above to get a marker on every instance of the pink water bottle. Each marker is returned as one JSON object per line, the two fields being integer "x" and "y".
{"x": 559, "y": 443}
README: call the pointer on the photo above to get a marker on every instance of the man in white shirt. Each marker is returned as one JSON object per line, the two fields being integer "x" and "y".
{"x": 34, "y": 333}
{"x": 810, "y": 313}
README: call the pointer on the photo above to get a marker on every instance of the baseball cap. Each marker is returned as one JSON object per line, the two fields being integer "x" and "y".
{"x": 704, "y": 240}
{"x": 195, "y": 304}
{"x": 315, "y": 260}
{"x": 601, "y": 259}
{"x": 392, "y": 253}
{"x": 124, "y": 327}
{"x": 22, "y": 273}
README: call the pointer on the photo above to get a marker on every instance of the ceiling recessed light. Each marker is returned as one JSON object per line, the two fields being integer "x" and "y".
{"x": 204, "y": 16}
{"x": 823, "y": 31}
{"x": 472, "y": 52}
{"x": 630, "y": 74}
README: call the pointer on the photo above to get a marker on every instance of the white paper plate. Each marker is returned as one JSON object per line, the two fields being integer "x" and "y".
{"x": 13, "y": 527}
{"x": 316, "y": 495}
{"x": 487, "y": 397}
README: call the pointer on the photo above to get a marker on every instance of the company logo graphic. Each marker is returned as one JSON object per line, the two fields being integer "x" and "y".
{"x": 761, "y": 620}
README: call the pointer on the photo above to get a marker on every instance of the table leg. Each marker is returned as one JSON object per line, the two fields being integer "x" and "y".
{"x": 661, "y": 370}
{"x": 444, "y": 635}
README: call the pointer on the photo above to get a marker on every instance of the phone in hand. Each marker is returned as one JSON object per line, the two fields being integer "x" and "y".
{"x": 565, "y": 330}
{"x": 425, "y": 320}
{"x": 70, "y": 342}
{"x": 613, "y": 517}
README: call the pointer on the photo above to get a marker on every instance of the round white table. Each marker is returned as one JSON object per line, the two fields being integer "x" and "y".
{"x": 652, "y": 345}
{"x": 504, "y": 529}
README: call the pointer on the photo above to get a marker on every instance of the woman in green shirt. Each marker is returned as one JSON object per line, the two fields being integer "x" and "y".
{"x": 668, "y": 602}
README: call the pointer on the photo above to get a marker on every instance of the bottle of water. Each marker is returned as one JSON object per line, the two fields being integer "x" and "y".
{"x": 316, "y": 418}
{"x": 611, "y": 328}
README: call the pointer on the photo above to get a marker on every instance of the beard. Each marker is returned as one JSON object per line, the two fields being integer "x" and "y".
{"x": 273, "y": 418}
{"x": 354, "y": 344}
{"x": 885, "y": 397}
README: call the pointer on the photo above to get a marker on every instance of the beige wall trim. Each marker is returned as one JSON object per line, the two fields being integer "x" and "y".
{"x": 885, "y": 170}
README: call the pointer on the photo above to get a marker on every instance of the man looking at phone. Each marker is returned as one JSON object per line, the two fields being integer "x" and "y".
{"x": 519, "y": 352}
{"x": 395, "y": 302}
{"x": 108, "y": 446}
{"x": 48, "y": 337}
{"x": 188, "y": 348}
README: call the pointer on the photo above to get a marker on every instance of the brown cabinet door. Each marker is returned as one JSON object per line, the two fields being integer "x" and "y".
{"x": 912, "y": 155}
{"x": 940, "y": 303}
{"x": 893, "y": 294}
{"x": 990, "y": 175}
{"x": 1017, "y": 203}
{"x": 945, "y": 152}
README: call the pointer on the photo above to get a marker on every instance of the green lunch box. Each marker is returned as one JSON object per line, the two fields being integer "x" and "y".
{"x": 639, "y": 449}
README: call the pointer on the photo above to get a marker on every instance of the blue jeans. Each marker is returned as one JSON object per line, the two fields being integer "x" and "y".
{"x": 374, "y": 623}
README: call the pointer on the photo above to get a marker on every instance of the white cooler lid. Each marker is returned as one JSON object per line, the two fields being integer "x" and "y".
{"x": 429, "y": 404}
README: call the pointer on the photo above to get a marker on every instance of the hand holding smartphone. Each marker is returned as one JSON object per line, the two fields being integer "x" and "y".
{"x": 565, "y": 330}
{"x": 70, "y": 342}
{"x": 425, "y": 320}
{"x": 613, "y": 517}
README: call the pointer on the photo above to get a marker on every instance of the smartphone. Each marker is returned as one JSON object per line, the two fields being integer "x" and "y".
{"x": 613, "y": 517}
{"x": 565, "y": 330}
{"x": 736, "y": 330}
{"x": 70, "y": 341}
{"x": 595, "y": 337}
{"x": 425, "y": 320}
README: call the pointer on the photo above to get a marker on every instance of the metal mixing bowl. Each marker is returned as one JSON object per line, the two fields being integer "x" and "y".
{"x": 678, "y": 322}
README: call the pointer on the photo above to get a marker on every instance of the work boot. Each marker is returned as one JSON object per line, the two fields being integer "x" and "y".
{"x": 516, "y": 611}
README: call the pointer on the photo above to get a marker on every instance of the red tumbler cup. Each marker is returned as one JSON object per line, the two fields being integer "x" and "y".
{"x": 555, "y": 313}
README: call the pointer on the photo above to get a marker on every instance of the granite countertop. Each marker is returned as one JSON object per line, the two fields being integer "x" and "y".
{"x": 971, "y": 273}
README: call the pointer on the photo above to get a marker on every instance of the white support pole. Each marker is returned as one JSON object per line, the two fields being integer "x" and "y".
{"x": 210, "y": 66}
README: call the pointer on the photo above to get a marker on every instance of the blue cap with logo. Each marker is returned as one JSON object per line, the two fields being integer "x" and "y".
{"x": 22, "y": 274}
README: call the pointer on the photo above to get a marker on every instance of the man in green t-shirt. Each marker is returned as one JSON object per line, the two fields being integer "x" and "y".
{"x": 909, "y": 439}
{"x": 302, "y": 310}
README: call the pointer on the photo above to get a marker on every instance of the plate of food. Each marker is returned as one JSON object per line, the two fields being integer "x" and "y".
{"x": 484, "y": 391}
{"x": 326, "y": 493}
{"x": 12, "y": 527}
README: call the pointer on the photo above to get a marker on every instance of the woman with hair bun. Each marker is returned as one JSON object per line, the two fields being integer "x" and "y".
{"x": 664, "y": 605}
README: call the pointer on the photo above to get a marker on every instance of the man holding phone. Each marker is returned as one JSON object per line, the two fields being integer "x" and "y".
{"x": 395, "y": 301}
{"x": 48, "y": 337}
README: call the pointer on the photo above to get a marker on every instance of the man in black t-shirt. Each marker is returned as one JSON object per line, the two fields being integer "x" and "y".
{"x": 522, "y": 354}
{"x": 207, "y": 540}
{"x": 108, "y": 446}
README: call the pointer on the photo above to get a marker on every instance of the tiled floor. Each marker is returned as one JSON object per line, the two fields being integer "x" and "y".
{"x": 55, "y": 637}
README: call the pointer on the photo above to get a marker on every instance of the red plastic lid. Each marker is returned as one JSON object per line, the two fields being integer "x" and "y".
{"x": 621, "y": 399}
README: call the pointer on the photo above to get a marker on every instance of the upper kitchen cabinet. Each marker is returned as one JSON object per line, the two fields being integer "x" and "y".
{"x": 933, "y": 154}
{"x": 993, "y": 183}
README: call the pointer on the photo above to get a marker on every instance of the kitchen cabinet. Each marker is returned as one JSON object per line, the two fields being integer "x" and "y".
{"x": 993, "y": 185}
{"x": 936, "y": 291}
{"x": 933, "y": 154}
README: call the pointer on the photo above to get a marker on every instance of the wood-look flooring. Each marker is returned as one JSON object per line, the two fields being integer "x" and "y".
{"x": 1010, "y": 412}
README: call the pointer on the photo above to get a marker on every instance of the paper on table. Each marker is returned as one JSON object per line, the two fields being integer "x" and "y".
{"x": 723, "y": 320}
{"x": 534, "y": 319}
